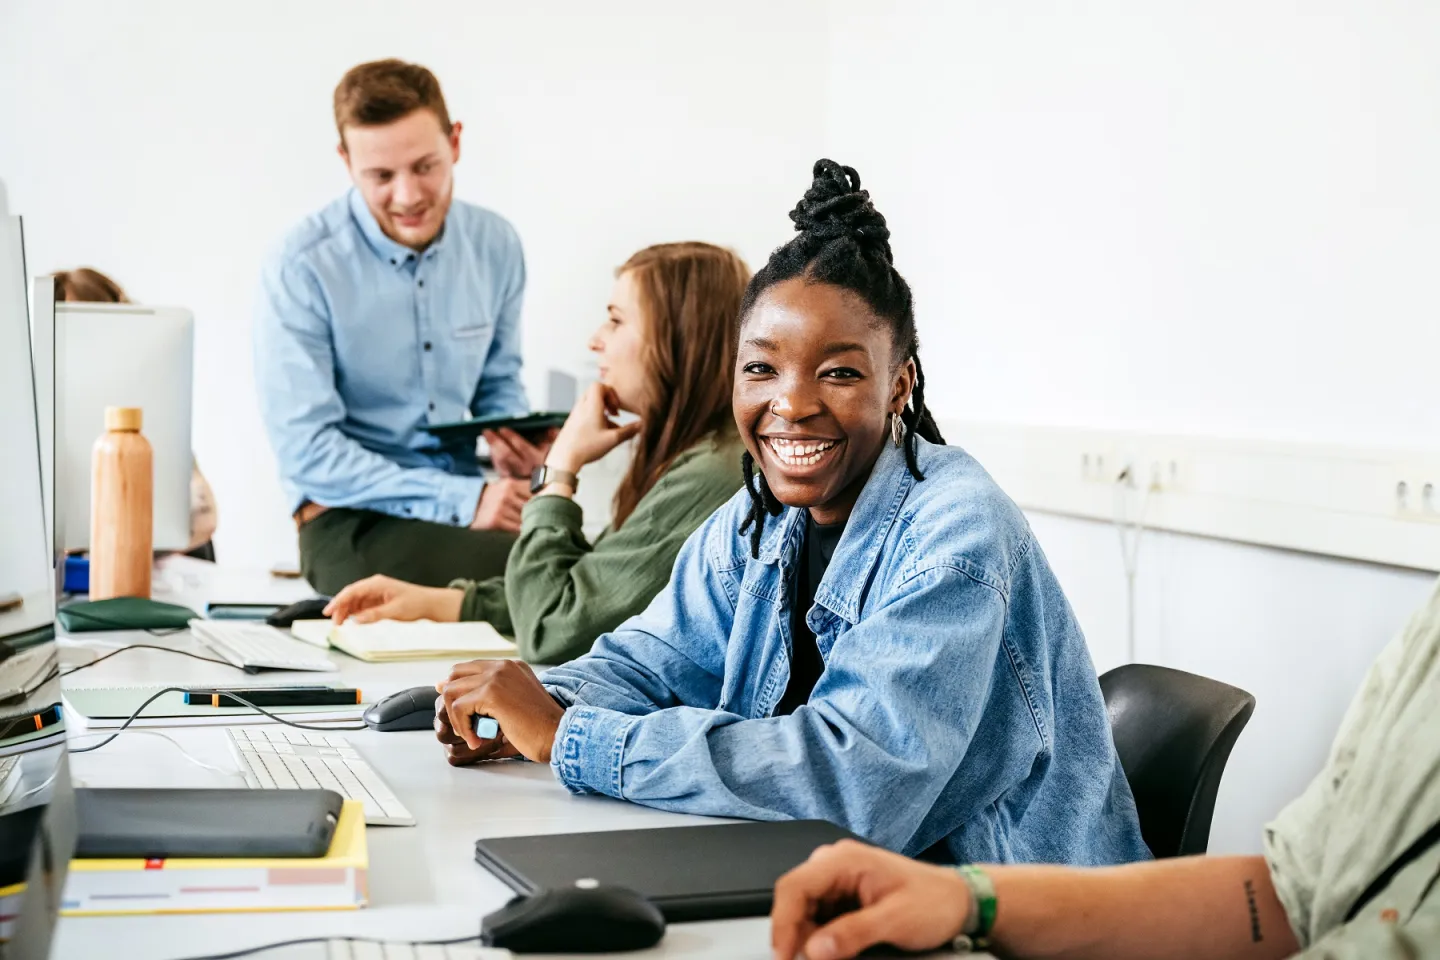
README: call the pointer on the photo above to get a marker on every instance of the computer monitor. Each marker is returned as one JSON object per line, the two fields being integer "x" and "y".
{"x": 42, "y": 345}
{"x": 37, "y": 807}
{"x": 124, "y": 355}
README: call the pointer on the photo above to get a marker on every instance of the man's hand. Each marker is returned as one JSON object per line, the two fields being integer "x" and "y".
{"x": 385, "y": 598}
{"x": 509, "y": 692}
{"x": 500, "y": 504}
{"x": 891, "y": 899}
{"x": 457, "y": 752}
{"x": 513, "y": 455}
{"x": 590, "y": 432}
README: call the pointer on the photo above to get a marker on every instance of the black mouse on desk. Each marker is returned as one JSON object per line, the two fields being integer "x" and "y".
{"x": 585, "y": 918}
{"x": 312, "y": 608}
{"x": 412, "y": 709}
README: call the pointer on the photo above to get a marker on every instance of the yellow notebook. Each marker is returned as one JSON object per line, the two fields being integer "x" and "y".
{"x": 336, "y": 881}
{"x": 389, "y": 640}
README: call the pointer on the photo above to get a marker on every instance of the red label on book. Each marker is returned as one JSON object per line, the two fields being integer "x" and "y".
{"x": 155, "y": 863}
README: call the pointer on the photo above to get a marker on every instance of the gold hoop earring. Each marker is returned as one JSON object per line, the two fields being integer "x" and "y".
{"x": 897, "y": 429}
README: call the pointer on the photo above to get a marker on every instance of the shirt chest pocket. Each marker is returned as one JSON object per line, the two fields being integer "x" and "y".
{"x": 470, "y": 334}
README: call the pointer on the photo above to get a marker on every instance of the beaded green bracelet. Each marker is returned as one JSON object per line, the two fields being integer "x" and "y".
{"x": 981, "y": 918}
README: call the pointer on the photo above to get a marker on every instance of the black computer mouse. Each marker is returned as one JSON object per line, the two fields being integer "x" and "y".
{"x": 412, "y": 709}
{"x": 312, "y": 608}
{"x": 585, "y": 918}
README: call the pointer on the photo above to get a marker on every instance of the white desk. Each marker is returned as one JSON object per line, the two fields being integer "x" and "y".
{"x": 424, "y": 881}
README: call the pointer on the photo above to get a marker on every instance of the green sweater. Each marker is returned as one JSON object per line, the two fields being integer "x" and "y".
{"x": 560, "y": 592}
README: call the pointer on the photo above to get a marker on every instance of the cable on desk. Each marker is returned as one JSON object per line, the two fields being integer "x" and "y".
{"x": 327, "y": 728}
{"x": 251, "y": 951}
{"x": 144, "y": 646}
{"x": 163, "y": 736}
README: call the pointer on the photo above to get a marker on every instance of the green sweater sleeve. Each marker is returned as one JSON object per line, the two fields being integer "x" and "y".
{"x": 485, "y": 600}
{"x": 560, "y": 592}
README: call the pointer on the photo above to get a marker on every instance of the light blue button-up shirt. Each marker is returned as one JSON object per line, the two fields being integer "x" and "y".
{"x": 360, "y": 340}
{"x": 958, "y": 704}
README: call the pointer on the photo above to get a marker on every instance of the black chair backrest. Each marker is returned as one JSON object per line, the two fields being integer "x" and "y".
{"x": 1173, "y": 731}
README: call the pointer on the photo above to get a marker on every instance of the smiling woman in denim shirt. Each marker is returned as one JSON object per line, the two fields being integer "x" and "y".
{"x": 868, "y": 634}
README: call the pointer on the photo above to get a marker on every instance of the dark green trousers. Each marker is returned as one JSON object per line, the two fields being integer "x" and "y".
{"x": 341, "y": 546}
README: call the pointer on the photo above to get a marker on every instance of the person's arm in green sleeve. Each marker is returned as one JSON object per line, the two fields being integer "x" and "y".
{"x": 485, "y": 600}
{"x": 564, "y": 593}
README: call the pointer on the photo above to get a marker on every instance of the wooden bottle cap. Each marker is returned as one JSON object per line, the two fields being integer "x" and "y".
{"x": 124, "y": 419}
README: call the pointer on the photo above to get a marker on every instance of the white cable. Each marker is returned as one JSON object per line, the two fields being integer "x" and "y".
{"x": 34, "y": 790}
{"x": 1130, "y": 551}
{"x": 163, "y": 736}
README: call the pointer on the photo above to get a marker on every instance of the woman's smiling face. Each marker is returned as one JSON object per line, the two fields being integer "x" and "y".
{"x": 815, "y": 385}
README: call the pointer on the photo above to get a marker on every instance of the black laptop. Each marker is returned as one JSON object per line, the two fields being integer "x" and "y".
{"x": 691, "y": 873}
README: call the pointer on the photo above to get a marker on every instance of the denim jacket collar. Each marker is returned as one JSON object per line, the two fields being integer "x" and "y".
{"x": 866, "y": 532}
{"x": 399, "y": 255}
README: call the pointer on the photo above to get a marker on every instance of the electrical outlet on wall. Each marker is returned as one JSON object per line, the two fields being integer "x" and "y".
{"x": 1099, "y": 463}
{"x": 1416, "y": 496}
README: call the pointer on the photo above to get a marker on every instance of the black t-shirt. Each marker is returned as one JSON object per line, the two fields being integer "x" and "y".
{"x": 805, "y": 662}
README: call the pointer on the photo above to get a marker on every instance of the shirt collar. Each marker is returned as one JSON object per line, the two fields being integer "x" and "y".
{"x": 865, "y": 534}
{"x": 396, "y": 254}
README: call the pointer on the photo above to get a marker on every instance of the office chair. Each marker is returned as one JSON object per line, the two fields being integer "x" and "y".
{"x": 1173, "y": 731}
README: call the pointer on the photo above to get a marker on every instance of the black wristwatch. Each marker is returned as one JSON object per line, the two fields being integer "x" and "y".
{"x": 545, "y": 475}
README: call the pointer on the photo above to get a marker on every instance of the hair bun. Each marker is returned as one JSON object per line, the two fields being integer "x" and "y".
{"x": 836, "y": 207}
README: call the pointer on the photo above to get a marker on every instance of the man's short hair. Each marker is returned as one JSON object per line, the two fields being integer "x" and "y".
{"x": 383, "y": 91}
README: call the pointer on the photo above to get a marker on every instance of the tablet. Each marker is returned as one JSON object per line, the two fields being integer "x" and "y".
{"x": 706, "y": 872}
{"x": 527, "y": 426}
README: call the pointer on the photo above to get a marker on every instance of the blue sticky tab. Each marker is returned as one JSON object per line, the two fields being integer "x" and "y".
{"x": 486, "y": 728}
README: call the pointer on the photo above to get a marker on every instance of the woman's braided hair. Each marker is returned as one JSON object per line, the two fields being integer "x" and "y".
{"x": 842, "y": 240}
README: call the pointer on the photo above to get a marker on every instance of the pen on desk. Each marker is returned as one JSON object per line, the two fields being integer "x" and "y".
{"x": 29, "y": 723}
{"x": 275, "y": 697}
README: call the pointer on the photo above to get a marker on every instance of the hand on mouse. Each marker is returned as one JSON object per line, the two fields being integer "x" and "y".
{"x": 385, "y": 598}
{"x": 887, "y": 898}
{"x": 458, "y": 752}
{"x": 508, "y": 691}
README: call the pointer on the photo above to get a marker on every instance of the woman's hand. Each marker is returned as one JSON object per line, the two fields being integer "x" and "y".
{"x": 879, "y": 896}
{"x": 590, "y": 432}
{"x": 385, "y": 598}
{"x": 507, "y": 691}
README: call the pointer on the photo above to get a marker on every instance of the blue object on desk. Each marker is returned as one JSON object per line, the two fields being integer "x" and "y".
{"x": 486, "y": 728}
{"x": 77, "y": 573}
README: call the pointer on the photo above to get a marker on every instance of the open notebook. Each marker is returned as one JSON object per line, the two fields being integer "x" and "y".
{"x": 390, "y": 640}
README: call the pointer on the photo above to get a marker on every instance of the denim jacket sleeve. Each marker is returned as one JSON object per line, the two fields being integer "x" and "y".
{"x": 884, "y": 732}
{"x": 295, "y": 375}
{"x": 671, "y": 655}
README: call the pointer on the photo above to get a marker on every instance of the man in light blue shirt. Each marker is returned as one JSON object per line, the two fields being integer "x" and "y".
{"x": 394, "y": 307}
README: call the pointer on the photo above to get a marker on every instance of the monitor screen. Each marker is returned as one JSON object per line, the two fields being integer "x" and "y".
{"x": 37, "y": 811}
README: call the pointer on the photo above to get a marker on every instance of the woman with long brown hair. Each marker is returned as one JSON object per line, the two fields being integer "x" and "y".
{"x": 666, "y": 354}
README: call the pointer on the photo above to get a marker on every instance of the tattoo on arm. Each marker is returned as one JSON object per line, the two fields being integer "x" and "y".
{"x": 1255, "y": 935}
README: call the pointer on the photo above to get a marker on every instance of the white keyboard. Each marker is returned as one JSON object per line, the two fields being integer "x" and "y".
{"x": 23, "y": 672}
{"x": 255, "y": 646}
{"x": 9, "y": 777}
{"x": 369, "y": 950}
{"x": 283, "y": 758}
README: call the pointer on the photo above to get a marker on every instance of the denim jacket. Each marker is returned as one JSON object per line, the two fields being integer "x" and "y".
{"x": 958, "y": 702}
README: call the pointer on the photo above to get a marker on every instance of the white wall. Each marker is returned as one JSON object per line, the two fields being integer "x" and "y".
{"x": 171, "y": 144}
{"x": 1218, "y": 218}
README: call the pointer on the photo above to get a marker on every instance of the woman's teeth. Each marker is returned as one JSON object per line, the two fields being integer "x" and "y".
{"x": 803, "y": 453}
